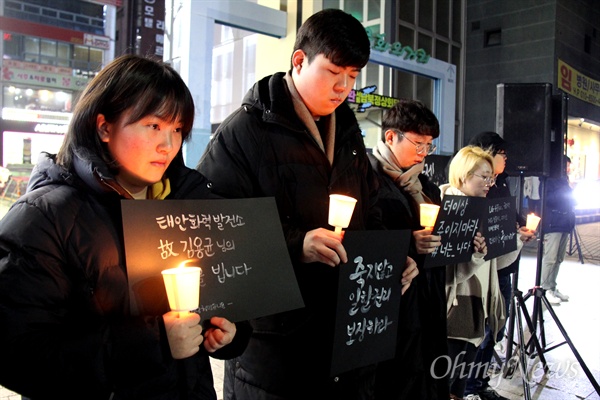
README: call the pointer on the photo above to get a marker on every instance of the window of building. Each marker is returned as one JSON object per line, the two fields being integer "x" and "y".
{"x": 85, "y": 60}
{"x": 31, "y": 51}
{"x": 436, "y": 27}
{"x": 47, "y": 51}
{"x": 492, "y": 38}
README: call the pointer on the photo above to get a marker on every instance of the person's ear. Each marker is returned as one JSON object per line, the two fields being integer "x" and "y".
{"x": 102, "y": 128}
{"x": 298, "y": 59}
{"x": 389, "y": 137}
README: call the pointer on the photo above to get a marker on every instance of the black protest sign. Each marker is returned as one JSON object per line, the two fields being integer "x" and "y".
{"x": 369, "y": 292}
{"x": 457, "y": 223}
{"x": 435, "y": 168}
{"x": 500, "y": 230}
{"x": 461, "y": 217}
{"x": 238, "y": 243}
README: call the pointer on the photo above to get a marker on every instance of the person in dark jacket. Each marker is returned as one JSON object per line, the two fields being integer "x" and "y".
{"x": 294, "y": 138}
{"x": 408, "y": 130}
{"x": 479, "y": 384}
{"x": 558, "y": 222}
{"x": 65, "y": 325}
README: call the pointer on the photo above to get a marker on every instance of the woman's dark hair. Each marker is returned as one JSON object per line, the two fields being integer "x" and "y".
{"x": 130, "y": 83}
{"x": 410, "y": 116}
{"x": 337, "y": 35}
{"x": 490, "y": 141}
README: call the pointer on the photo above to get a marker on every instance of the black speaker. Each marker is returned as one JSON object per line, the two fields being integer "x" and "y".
{"x": 523, "y": 119}
{"x": 558, "y": 135}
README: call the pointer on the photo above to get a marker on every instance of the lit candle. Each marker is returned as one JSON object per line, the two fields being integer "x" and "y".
{"x": 429, "y": 214}
{"x": 532, "y": 222}
{"x": 183, "y": 287}
{"x": 340, "y": 211}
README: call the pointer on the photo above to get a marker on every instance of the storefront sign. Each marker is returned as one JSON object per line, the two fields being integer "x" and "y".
{"x": 152, "y": 27}
{"x": 101, "y": 42}
{"x": 397, "y": 49}
{"x": 578, "y": 85}
{"x": 43, "y": 78}
{"x": 50, "y": 128}
{"x": 35, "y": 67}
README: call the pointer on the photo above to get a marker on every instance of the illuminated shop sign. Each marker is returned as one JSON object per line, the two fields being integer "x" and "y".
{"x": 50, "y": 128}
{"x": 578, "y": 85}
{"x": 366, "y": 98}
{"x": 48, "y": 117}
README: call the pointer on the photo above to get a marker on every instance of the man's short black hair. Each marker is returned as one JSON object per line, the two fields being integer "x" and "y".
{"x": 337, "y": 35}
{"x": 411, "y": 116}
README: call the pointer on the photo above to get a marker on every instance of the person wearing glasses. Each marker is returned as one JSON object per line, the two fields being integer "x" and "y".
{"x": 474, "y": 303}
{"x": 479, "y": 384}
{"x": 408, "y": 131}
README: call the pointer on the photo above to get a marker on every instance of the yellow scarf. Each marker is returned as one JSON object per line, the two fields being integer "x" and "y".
{"x": 159, "y": 190}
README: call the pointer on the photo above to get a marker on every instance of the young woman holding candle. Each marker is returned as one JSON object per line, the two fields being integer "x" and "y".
{"x": 65, "y": 325}
{"x": 474, "y": 303}
{"x": 496, "y": 145}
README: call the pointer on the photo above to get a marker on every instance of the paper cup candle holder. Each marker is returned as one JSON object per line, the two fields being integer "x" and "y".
{"x": 532, "y": 222}
{"x": 183, "y": 288}
{"x": 428, "y": 214}
{"x": 340, "y": 211}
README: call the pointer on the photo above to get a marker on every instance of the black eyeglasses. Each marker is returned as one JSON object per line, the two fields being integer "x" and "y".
{"x": 489, "y": 180}
{"x": 421, "y": 147}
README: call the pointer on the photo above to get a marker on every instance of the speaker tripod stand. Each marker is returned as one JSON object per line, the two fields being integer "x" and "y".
{"x": 575, "y": 246}
{"x": 534, "y": 346}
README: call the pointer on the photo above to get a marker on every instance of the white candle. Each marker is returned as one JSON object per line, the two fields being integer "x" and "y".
{"x": 429, "y": 214}
{"x": 183, "y": 288}
{"x": 340, "y": 211}
{"x": 532, "y": 222}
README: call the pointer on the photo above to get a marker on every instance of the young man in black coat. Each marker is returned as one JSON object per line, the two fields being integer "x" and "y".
{"x": 295, "y": 139}
{"x": 408, "y": 130}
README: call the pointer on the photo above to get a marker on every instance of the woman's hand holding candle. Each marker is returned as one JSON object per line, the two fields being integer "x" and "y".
{"x": 184, "y": 333}
{"x": 526, "y": 234}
